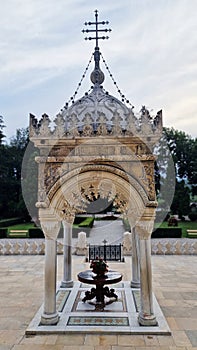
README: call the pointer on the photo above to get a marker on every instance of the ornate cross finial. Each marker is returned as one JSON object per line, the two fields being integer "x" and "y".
{"x": 96, "y": 30}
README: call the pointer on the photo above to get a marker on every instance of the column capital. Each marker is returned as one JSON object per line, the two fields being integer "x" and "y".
{"x": 49, "y": 223}
{"x": 144, "y": 226}
{"x": 68, "y": 220}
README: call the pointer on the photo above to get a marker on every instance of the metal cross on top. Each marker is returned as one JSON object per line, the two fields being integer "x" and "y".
{"x": 96, "y": 30}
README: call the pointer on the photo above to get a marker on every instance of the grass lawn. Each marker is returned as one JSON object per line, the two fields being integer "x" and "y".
{"x": 20, "y": 227}
{"x": 184, "y": 225}
{"x": 24, "y": 226}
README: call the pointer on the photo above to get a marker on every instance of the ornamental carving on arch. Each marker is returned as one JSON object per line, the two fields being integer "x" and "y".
{"x": 52, "y": 173}
{"x": 147, "y": 179}
{"x": 88, "y": 130}
{"x": 103, "y": 188}
{"x": 102, "y": 130}
{"x": 78, "y": 201}
{"x": 66, "y": 212}
{"x": 98, "y": 168}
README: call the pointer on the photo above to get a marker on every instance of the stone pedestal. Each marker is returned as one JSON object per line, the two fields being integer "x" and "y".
{"x": 126, "y": 244}
{"x": 81, "y": 246}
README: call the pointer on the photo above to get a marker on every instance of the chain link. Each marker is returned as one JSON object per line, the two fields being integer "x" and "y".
{"x": 72, "y": 98}
{"x": 123, "y": 97}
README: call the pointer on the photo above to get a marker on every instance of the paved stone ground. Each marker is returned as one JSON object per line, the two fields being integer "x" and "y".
{"x": 112, "y": 231}
{"x": 21, "y": 294}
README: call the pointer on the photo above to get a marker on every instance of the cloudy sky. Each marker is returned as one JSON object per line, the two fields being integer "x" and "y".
{"x": 152, "y": 53}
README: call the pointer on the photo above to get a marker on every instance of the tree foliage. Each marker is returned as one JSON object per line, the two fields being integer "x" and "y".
{"x": 181, "y": 200}
{"x": 11, "y": 157}
{"x": 180, "y": 148}
{"x": 2, "y": 126}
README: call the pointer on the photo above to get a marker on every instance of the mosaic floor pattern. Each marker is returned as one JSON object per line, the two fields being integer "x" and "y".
{"x": 116, "y": 317}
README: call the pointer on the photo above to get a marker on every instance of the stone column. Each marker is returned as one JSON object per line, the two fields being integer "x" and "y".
{"x": 67, "y": 262}
{"x": 50, "y": 227}
{"x": 135, "y": 282}
{"x": 144, "y": 229}
{"x": 146, "y": 315}
{"x": 50, "y": 315}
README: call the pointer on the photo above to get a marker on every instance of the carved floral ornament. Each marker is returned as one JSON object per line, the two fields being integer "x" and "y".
{"x": 53, "y": 181}
{"x": 75, "y": 192}
{"x": 77, "y": 202}
{"x": 68, "y": 183}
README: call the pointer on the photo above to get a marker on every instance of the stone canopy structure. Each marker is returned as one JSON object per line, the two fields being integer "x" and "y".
{"x": 97, "y": 149}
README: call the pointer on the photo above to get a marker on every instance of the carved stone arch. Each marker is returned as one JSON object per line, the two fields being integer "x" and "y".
{"x": 109, "y": 168}
{"x": 67, "y": 197}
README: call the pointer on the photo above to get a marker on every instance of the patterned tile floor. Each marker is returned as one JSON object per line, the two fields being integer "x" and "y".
{"x": 21, "y": 293}
{"x": 116, "y": 316}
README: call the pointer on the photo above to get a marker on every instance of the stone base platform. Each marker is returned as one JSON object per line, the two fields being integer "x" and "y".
{"x": 117, "y": 317}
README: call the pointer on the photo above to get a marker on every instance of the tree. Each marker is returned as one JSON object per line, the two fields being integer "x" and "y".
{"x": 2, "y": 126}
{"x": 177, "y": 154}
{"x": 181, "y": 200}
{"x": 11, "y": 157}
{"x": 165, "y": 178}
{"x": 181, "y": 147}
{"x": 193, "y": 177}
{"x": 29, "y": 181}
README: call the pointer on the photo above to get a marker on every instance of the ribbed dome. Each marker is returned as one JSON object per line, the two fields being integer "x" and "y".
{"x": 94, "y": 108}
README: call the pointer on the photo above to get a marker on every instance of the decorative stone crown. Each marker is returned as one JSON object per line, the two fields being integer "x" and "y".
{"x": 98, "y": 114}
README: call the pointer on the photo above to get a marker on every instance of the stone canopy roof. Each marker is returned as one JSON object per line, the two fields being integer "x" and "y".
{"x": 98, "y": 114}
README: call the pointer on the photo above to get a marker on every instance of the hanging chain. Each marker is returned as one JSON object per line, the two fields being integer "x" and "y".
{"x": 72, "y": 98}
{"x": 123, "y": 97}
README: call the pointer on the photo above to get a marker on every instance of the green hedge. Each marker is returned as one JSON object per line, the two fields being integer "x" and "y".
{"x": 88, "y": 222}
{"x": 10, "y": 222}
{"x": 167, "y": 233}
{"x": 3, "y": 232}
{"x": 78, "y": 220}
{"x": 36, "y": 233}
{"x": 84, "y": 223}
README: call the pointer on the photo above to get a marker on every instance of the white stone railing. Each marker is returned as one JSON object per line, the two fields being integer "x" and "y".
{"x": 185, "y": 246}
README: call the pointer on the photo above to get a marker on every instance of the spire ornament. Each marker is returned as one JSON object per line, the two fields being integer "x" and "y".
{"x": 97, "y": 77}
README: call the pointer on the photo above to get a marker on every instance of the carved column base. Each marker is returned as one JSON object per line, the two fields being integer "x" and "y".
{"x": 67, "y": 284}
{"x": 49, "y": 319}
{"x": 135, "y": 284}
{"x": 147, "y": 320}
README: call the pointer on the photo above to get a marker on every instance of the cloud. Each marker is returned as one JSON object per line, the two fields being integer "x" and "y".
{"x": 152, "y": 53}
